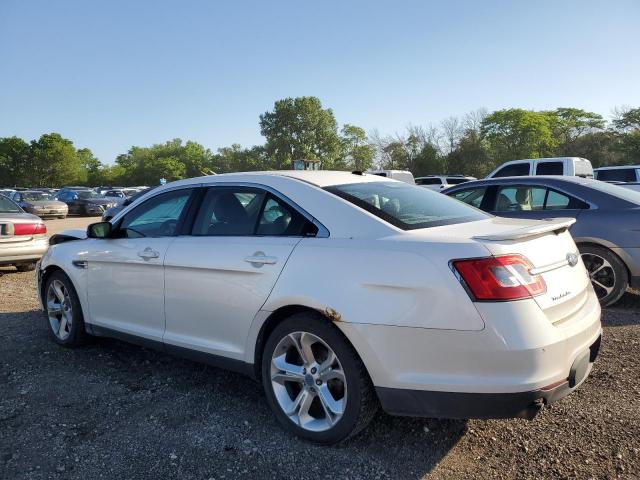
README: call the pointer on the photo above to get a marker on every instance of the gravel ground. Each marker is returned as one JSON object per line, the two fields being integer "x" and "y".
{"x": 111, "y": 410}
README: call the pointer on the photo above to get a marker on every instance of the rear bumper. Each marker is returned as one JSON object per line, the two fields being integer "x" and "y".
{"x": 24, "y": 252}
{"x": 463, "y": 405}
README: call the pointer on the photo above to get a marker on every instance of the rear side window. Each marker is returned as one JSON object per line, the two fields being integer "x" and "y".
{"x": 471, "y": 197}
{"x": 617, "y": 175}
{"x": 549, "y": 168}
{"x": 245, "y": 211}
{"x": 514, "y": 170}
{"x": 406, "y": 206}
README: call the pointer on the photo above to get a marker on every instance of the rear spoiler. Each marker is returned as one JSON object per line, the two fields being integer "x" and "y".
{"x": 556, "y": 225}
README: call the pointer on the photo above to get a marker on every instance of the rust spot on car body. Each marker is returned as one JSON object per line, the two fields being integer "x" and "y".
{"x": 333, "y": 315}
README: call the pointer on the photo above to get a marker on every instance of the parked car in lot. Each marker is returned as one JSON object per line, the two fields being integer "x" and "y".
{"x": 40, "y": 203}
{"x": 339, "y": 292}
{"x": 85, "y": 202}
{"x": 570, "y": 166}
{"x": 626, "y": 173}
{"x": 440, "y": 182}
{"x": 401, "y": 175}
{"x": 606, "y": 220}
{"x": 111, "y": 212}
{"x": 23, "y": 236}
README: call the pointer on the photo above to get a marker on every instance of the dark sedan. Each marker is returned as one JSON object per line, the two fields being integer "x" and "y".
{"x": 606, "y": 220}
{"x": 85, "y": 202}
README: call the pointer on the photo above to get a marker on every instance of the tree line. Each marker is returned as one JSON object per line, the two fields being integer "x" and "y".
{"x": 301, "y": 128}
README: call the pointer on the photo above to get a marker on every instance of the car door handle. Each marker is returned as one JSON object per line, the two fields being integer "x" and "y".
{"x": 258, "y": 259}
{"x": 148, "y": 253}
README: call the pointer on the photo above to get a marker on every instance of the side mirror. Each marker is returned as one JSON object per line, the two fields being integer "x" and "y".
{"x": 126, "y": 202}
{"x": 99, "y": 230}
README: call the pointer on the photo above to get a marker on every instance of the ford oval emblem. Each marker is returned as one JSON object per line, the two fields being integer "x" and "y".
{"x": 572, "y": 259}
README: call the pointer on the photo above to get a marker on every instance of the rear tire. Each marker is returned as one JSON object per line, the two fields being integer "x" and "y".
{"x": 26, "y": 267}
{"x": 63, "y": 311}
{"x": 608, "y": 274}
{"x": 329, "y": 397}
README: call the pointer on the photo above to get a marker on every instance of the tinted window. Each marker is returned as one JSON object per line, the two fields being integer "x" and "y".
{"x": 456, "y": 180}
{"x": 471, "y": 197}
{"x": 515, "y": 199}
{"x": 241, "y": 211}
{"x": 428, "y": 181}
{"x": 278, "y": 218}
{"x": 229, "y": 211}
{"x": 514, "y": 170}
{"x": 35, "y": 196}
{"x": 406, "y": 206}
{"x": 157, "y": 217}
{"x": 549, "y": 168}
{"x": 617, "y": 175}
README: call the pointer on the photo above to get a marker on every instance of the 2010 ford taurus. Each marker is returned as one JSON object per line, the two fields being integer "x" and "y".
{"x": 340, "y": 292}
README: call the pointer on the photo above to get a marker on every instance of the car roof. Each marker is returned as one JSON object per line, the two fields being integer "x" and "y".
{"x": 319, "y": 178}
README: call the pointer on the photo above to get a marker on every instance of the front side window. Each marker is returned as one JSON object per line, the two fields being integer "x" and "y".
{"x": 159, "y": 216}
{"x": 406, "y": 206}
{"x": 514, "y": 170}
{"x": 550, "y": 168}
{"x": 471, "y": 197}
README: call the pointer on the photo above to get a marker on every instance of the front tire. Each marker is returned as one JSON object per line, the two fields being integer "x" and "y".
{"x": 608, "y": 274}
{"x": 63, "y": 311}
{"x": 314, "y": 381}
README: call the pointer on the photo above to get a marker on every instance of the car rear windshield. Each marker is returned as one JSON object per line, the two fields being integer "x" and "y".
{"x": 35, "y": 196}
{"x": 7, "y": 206}
{"x": 407, "y": 206}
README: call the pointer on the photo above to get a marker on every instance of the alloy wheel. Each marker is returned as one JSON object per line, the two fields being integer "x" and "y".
{"x": 308, "y": 381}
{"x": 601, "y": 273}
{"x": 59, "y": 309}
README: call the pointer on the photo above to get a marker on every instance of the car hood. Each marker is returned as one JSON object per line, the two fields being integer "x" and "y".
{"x": 46, "y": 203}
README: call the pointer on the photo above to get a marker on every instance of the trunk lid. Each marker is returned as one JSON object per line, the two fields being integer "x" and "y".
{"x": 547, "y": 244}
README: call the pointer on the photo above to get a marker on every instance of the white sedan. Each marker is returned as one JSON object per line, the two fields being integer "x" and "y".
{"x": 340, "y": 292}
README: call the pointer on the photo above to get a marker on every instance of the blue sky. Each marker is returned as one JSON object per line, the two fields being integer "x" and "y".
{"x": 117, "y": 73}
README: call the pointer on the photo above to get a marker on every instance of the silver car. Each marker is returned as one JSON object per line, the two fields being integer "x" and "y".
{"x": 40, "y": 203}
{"x": 23, "y": 237}
{"x": 606, "y": 216}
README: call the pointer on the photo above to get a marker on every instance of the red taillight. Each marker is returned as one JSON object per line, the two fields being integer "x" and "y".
{"x": 500, "y": 278}
{"x": 29, "y": 228}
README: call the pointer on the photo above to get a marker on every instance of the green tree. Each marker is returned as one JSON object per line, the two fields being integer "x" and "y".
{"x": 52, "y": 162}
{"x": 469, "y": 157}
{"x": 14, "y": 158}
{"x": 569, "y": 124}
{"x": 357, "y": 152}
{"x": 238, "y": 159}
{"x": 627, "y": 119}
{"x": 91, "y": 169}
{"x": 515, "y": 133}
{"x": 299, "y": 128}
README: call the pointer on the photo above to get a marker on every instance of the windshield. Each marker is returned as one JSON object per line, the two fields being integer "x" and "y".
{"x": 7, "y": 206}
{"x": 88, "y": 194}
{"x": 407, "y": 206}
{"x": 35, "y": 196}
{"x": 623, "y": 193}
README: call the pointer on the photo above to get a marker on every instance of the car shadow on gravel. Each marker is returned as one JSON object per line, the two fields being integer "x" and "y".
{"x": 119, "y": 410}
{"x": 624, "y": 312}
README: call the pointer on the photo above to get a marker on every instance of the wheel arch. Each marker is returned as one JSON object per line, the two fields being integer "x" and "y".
{"x": 611, "y": 247}
{"x": 282, "y": 313}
